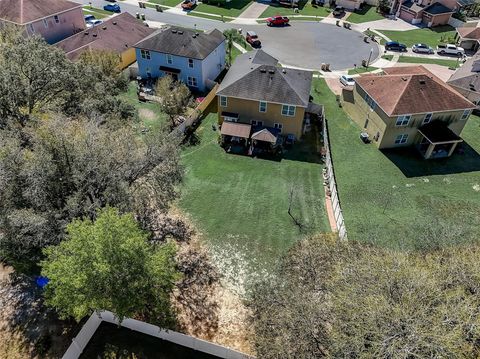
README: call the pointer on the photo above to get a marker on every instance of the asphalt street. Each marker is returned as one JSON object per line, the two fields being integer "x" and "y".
{"x": 302, "y": 44}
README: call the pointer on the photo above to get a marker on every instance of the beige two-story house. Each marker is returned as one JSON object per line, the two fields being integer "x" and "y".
{"x": 409, "y": 106}
{"x": 259, "y": 96}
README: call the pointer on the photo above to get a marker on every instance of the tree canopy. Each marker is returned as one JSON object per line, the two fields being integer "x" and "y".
{"x": 108, "y": 264}
{"x": 346, "y": 299}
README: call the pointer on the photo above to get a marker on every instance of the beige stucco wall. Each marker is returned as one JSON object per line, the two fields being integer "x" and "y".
{"x": 248, "y": 111}
{"x": 385, "y": 125}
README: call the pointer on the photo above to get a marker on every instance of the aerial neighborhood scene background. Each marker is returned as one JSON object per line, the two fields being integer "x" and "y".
{"x": 239, "y": 179}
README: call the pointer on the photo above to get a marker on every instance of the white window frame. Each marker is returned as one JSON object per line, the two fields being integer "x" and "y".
{"x": 288, "y": 111}
{"x": 403, "y": 120}
{"x": 278, "y": 126}
{"x": 169, "y": 59}
{"x": 56, "y": 18}
{"x": 465, "y": 115}
{"x": 260, "y": 106}
{"x": 192, "y": 81}
{"x": 45, "y": 23}
{"x": 190, "y": 63}
{"x": 223, "y": 101}
{"x": 145, "y": 54}
{"x": 370, "y": 102}
{"x": 427, "y": 118}
{"x": 401, "y": 139}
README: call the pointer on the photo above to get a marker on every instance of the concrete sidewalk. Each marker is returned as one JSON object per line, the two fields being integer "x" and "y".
{"x": 251, "y": 13}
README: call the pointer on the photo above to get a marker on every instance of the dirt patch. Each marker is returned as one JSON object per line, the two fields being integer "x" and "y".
{"x": 147, "y": 114}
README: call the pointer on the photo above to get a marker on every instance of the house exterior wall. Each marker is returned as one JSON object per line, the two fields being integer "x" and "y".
{"x": 436, "y": 20}
{"x": 248, "y": 110}
{"x": 348, "y": 4}
{"x": 128, "y": 57}
{"x": 203, "y": 70}
{"x": 408, "y": 15}
{"x": 380, "y": 122}
{"x": 69, "y": 22}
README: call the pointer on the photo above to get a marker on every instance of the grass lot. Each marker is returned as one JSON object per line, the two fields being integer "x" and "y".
{"x": 430, "y": 36}
{"x": 148, "y": 112}
{"x": 361, "y": 70}
{"x": 367, "y": 13}
{"x": 390, "y": 197}
{"x": 235, "y": 53}
{"x": 98, "y": 13}
{"x": 305, "y": 8}
{"x": 171, "y": 3}
{"x": 426, "y": 60}
{"x": 232, "y": 8}
{"x": 387, "y": 57}
{"x": 240, "y": 203}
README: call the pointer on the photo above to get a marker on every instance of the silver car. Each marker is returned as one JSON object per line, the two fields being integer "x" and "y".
{"x": 422, "y": 48}
{"x": 347, "y": 80}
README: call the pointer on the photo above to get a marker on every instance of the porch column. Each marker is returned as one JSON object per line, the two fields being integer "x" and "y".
{"x": 454, "y": 145}
{"x": 429, "y": 151}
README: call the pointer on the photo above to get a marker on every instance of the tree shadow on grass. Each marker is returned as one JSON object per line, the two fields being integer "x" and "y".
{"x": 409, "y": 161}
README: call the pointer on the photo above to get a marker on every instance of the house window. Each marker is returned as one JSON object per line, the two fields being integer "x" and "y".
{"x": 169, "y": 59}
{"x": 262, "y": 106}
{"x": 278, "y": 126}
{"x": 257, "y": 123}
{"x": 57, "y": 19}
{"x": 192, "y": 81}
{"x": 370, "y": 102}
{"x": 427, "y": 119}
{"x": 30, "y": 26}
{"x": 145, "y": 54}
{"x": 288, "y": 110}
{"x": 223, "y": 101}
{"x": 403, "y": 120}
{"x": 401, "y": 139}
{"x": 190, "y": 63}
{"x": 465, "y": 115}
{"x": 45, "y": 22}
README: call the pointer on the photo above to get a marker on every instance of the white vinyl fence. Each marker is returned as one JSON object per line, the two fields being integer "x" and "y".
{"x": 332, "y": 185}
{"x": 88, "y": 330}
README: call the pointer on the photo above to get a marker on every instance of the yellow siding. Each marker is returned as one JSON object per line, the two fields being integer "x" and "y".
{"x": 127, "y": 58}
{"x": 249, "y": 110}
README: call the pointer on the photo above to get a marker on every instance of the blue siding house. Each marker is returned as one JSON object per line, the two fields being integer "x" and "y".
{"x": 195, "y": 58}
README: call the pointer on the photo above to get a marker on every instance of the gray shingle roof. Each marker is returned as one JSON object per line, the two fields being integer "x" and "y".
{"x": 182, "y": 42}
{"x": 468, "y": 75}
{"x": 255, "y": 76}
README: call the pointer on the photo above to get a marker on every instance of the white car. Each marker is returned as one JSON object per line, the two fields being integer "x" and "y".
{"x": 347, "y": 80}
{"x": 422, "y": 48}
{"x": 93, "y": 23}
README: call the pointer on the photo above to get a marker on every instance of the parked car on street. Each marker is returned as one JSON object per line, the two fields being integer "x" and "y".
{"x": 93, "y": 23}
{"x": 450, "y": 49}
{"x": 189, "y": 4}
{"x": 338, "y": 11}
{"x": 277, "y": 21}
{"x": 395, "y": 46}
{"x": 347, "y": 80}
{"x": 252, "y": 39}
{"x": 112, "y": 8}
{"x": 422, "y": 48}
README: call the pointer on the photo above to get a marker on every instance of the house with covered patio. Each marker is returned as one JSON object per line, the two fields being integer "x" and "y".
{"x": 262, "y": 105}
{"x": 409, "y": 106}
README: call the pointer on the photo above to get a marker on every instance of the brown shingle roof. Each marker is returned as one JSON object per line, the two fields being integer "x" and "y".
{"x": 116, "y": 34}
{"x": 410, "y": 93}
{"x": 469, "y": 32}
{"x": 236, "y": 129}
{"x": 25, "y": 11}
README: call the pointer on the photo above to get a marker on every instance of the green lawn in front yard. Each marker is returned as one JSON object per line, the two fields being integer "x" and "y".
{"x": 232, "y": 8}
{"x": 304, "y": 8}
{"x": 396, "y": 198}
{"x": 171, "y": 3}
{"x": 428, "y": 60}
{"x": 361, "y": 70}
{"x": 430, "y": 36}
{"x": 240, "y": 204}
{"x": 367, "y": 13}
{"x": 149, "y": 113}
{"x": 98, "y": 13}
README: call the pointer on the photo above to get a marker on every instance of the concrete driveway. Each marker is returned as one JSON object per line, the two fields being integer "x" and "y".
{"x": 303, "y": 44}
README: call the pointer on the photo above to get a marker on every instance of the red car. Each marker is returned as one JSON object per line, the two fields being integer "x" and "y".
{"x": 277, "y": 21}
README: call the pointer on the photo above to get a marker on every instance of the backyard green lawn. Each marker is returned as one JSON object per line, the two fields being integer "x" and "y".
{"x": 427, "y": 60}
{"x": 240, "y": 204}
{"x": 367, "y": 13}
{"x": 396, "y": 198}
{"x": 232, "y": 8}
{"x": 430, "y": 36}
{"x": 304, "y": 8}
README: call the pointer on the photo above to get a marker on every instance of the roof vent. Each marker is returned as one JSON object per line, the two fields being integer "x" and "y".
{"x": 194, "y": 35}
{"x": 114, "y": 23}
{"x": 404, "y": 78}
{"x": 271, "y": 71}
{"x": 94, "y": 35}
{"x": 126, "y": 45}
{"x": 284, "y": 71}
{"x": 174, "y": 31}
{"x": 85, "y": 33}
{"x": 263, "y": 71}
{"x": 422, "y": 82}
{"x": 104, "y": 28}
{"x": 180, "y": 32}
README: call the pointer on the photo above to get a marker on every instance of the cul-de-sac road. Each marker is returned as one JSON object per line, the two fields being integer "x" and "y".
{"x": 303, "y": 44}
